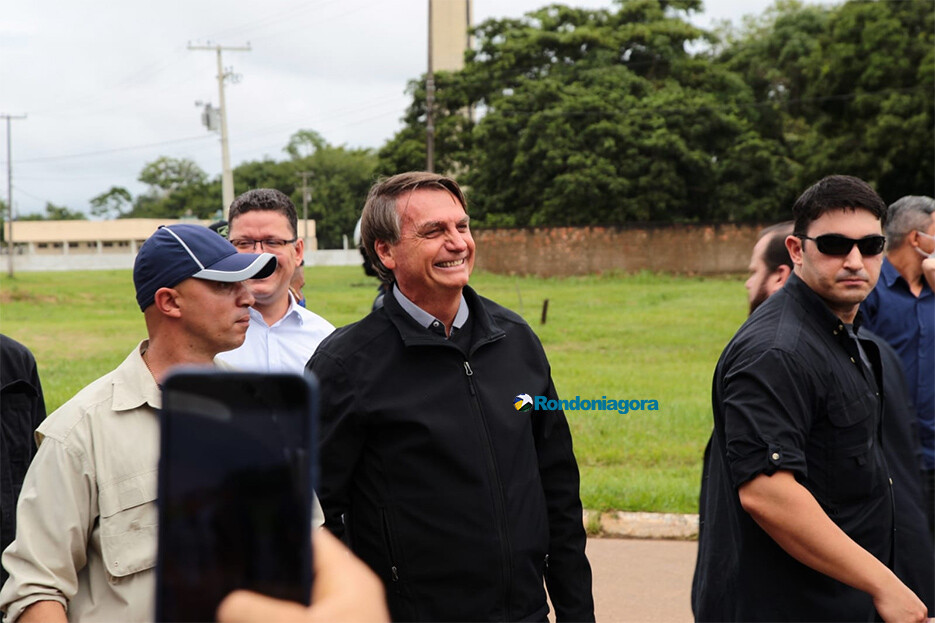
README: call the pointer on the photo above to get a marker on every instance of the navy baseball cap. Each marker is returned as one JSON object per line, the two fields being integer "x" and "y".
{"x": 176, "y": 252}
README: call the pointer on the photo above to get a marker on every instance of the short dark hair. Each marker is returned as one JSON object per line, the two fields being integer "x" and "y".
{"x": 265, "y": 199}
{"x": 835, "y": 192}
{"x": 908, "y": 214}
{"x": 380, "y": 218}
{"x": 776, "y": 254}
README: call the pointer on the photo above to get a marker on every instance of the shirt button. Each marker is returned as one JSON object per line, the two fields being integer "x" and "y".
{"x": 775, "y": 456}
{"x": 852, "y": 360}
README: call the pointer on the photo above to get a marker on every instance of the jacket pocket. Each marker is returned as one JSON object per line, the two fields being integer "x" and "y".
{"x": 129, "y": 524}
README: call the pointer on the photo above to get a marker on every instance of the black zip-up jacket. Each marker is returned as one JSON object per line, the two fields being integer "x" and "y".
{"x": 457, "y": 500}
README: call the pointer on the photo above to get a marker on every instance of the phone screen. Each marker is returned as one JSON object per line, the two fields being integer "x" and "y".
{"x": 236, "y": 474}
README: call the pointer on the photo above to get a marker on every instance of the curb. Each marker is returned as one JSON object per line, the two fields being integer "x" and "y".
{"x": 631, "y": 525}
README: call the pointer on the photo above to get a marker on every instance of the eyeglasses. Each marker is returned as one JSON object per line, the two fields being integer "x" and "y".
{"x": 836, "y": 244}
{"x": 249, "y": 244}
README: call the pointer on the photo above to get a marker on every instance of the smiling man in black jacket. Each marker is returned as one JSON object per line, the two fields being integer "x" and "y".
{"x": 459, "y": 501}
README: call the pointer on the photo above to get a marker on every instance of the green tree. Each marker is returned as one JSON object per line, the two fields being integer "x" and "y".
{"x": 846, "y": 89}
{"x": 453, "y": 122}
{"x": 55, "y": 213}
{"x": 339, "y": 180}
{"x": 167, "y": 175}
{"x": 874, "y": 93}
{"x": 177, "y": 187}
{"x": 304, "y": 143}
{"x": 598, "y": 116}
{"x": 115, "y": 203}
{"x": 266, "y": 173}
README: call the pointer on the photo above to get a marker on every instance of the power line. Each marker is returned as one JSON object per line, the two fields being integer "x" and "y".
{"x": 20, "y": 190}
{"x": 115, "y": 150}
{"x": 98, "y": 95}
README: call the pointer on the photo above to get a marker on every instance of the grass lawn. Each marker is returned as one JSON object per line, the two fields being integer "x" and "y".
{"x": 645, "y": 336}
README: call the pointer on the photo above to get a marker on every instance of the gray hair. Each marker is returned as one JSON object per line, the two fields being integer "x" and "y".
{"x": 380, "y": 218}
{"x": 906, "y": 215}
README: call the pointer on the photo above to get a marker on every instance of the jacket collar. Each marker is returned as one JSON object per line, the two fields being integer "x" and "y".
{"x": 423, "y": 317}
{"x": 413, "y": 334}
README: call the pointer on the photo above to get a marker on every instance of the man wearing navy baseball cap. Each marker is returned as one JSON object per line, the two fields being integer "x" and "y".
{"x": 86, "y": 531}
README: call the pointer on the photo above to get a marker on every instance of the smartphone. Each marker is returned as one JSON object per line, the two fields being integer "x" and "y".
{"x": 236, "y": 474}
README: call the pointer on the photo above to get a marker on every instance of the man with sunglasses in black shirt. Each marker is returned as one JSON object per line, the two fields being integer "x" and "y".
{"x": 797, "y": 511}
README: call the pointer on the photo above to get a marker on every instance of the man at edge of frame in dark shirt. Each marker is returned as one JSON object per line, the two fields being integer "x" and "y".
{"x": 798, "y": 508}
{"x": 22, "y": 409}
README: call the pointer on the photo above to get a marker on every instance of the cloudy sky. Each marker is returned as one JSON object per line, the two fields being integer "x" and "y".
{"x": 109, "y": 86}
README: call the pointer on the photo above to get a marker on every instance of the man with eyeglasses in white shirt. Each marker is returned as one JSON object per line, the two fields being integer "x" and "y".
{"x": 282, "y": 334}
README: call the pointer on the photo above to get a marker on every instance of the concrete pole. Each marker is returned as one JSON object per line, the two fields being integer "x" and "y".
{"x": 306, "y": 197}
{"x": 10, "y": 246}
{"x": 227, "y": 175}
{"x": 429, "y": 106}
{"x": 9, "y": 199}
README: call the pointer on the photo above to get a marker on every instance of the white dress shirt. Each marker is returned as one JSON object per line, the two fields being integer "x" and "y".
{"x": 284, "y": 347}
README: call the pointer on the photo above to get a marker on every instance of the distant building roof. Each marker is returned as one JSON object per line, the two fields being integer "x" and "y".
{"x": 106, "y": 231}
{"x": 86, "y": 231}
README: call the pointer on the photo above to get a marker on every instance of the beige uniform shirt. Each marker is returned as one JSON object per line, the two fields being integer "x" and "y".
{"x": 86, "y": 517}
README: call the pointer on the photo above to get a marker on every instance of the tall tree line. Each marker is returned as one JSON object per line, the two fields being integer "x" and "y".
{"x": 608, "y": 116}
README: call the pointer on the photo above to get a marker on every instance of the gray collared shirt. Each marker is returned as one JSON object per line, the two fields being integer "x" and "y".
{"x": 426, "y": 319}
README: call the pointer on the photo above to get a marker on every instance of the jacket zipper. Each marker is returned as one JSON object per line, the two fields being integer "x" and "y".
{"x": 499, "y": 502}
{"x": 394, "y": 572}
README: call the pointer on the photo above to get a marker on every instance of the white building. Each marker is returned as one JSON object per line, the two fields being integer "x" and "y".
{"x": 89, "y": 245}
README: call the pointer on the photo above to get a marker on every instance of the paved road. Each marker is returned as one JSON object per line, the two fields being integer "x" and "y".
{"x": 642, "y": 580}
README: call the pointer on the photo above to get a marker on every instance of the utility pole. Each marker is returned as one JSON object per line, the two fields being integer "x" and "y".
{"x": 429, "y": 106}
{"x": 227, "y": 175}
{"x": 9, "y": 189}
{"x": 306, "y": 197}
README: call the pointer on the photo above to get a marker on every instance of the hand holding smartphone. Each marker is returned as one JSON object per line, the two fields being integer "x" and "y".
{"x": 236, "y": 474}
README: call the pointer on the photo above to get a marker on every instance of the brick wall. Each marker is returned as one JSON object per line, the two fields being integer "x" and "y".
{"x": 563, "y": 251}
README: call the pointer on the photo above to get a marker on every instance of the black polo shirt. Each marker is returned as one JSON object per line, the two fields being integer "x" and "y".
{"x": 791, "y": 393}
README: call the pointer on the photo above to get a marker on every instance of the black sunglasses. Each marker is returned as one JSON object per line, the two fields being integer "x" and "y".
{"x": 836, "y": 244}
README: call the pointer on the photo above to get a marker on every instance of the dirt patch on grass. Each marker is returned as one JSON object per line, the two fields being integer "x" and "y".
{"x": 18, "y": 296}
